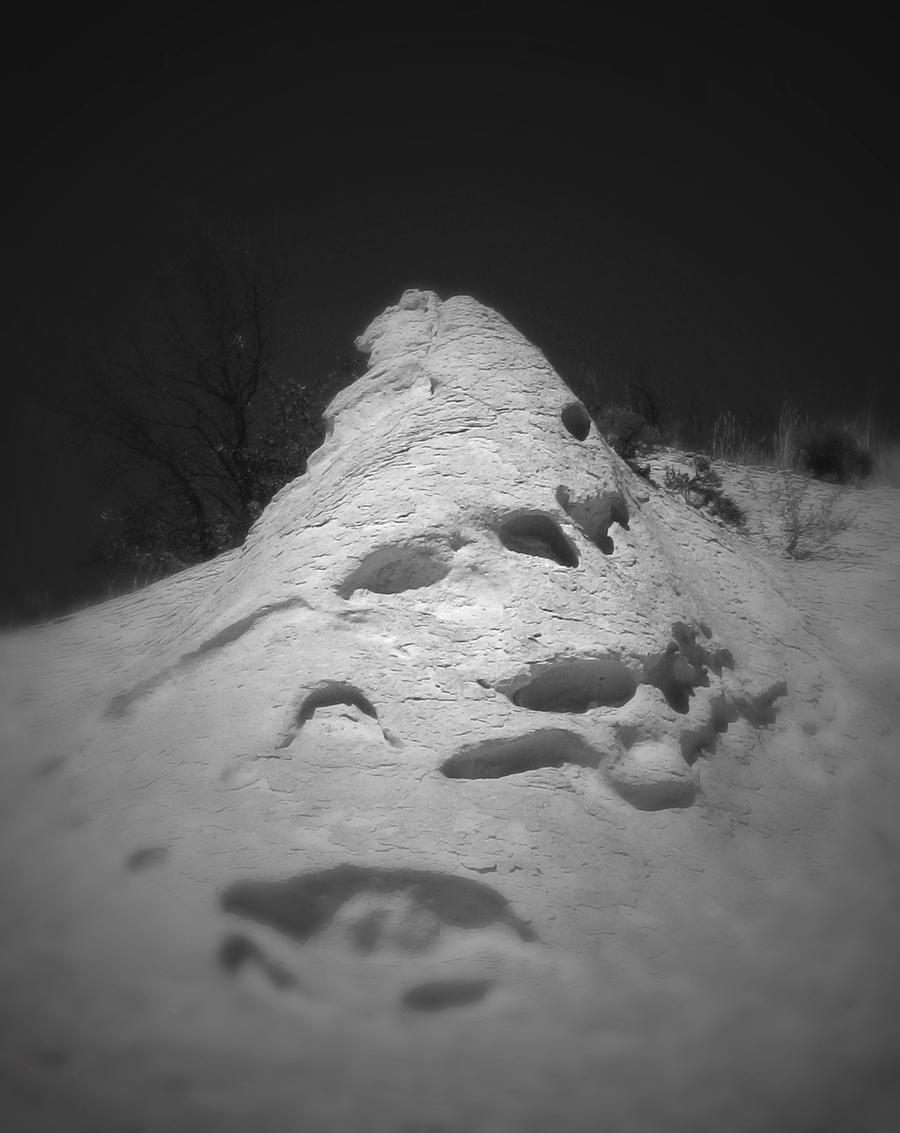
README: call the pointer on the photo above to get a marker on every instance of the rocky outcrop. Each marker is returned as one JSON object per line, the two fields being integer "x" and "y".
{"x": 466, "y": 733}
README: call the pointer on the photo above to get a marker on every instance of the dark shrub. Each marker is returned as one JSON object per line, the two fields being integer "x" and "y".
{"x": 835, "y": 455}
{"x": 703, "y": 489}
{"x": 725, "y": 508}
{"x": 629, "y": 433}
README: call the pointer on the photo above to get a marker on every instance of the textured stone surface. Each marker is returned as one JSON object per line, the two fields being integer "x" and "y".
{"x": 486, "y": 787}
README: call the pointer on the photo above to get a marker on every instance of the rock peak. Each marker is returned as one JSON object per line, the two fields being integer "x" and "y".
{"x": 478, "y": 733}
{"x": 408, "y": 327}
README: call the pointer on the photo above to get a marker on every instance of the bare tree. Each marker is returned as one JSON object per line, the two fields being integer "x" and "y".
{"x": 201, "y": 431}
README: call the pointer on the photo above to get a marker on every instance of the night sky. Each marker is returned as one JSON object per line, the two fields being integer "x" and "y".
{"x": 710, "y": 201}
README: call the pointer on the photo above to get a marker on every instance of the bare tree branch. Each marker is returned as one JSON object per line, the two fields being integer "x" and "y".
{"x": 199, "y": 429}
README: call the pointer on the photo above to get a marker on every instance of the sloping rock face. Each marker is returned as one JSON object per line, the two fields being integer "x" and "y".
{"x": 422, "y": 809}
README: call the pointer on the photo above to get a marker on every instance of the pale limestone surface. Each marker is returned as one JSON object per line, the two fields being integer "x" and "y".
{"x": 487, "y": 787}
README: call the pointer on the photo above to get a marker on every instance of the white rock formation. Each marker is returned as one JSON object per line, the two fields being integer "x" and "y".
{"x": 438, "y": 805}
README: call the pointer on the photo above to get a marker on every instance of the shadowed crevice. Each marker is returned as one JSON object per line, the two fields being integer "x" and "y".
{"x": 438, "y": 995}
{"x": 409, "y": 565}
{"x": 696, "y": 654}
{"x": 760, "y": 710}
{"x": 120, "y": 704}
{"x": 674, "y": 676}
{"x": 306, "y": 904}
{"x": 575, "y": 685}
{"x": 240, "y": 627}
{"x": 593, "y": 514}
{"x": 496, "y": 759}
{"x": 576, "y": 420}
{"x": 331, "y": 693}
{"x": 695, "y": 741}
{"x": 536, "y": 533}
{"x": 237, "y": 951}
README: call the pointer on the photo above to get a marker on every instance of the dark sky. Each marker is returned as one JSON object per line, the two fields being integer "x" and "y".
{"x": 710, "y": 199}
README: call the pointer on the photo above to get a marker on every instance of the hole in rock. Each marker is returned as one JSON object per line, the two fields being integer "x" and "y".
{"x": 722, "y": 712}
{"x": 400, "y": 566}
{"x": 576, "y": 686}
{"x": 495, "y": 759}
{"x": 534, "y": 533}
{"x": 304, "y": 905}
{"x": 674, "y": 676}
{"x": 576, "y": 420}
{"x": 334, "y": 692}
{"x": 697, "y": 655}
{"x": 438, "y": 995}
{"x": 236, "y": 951}
{"x": 330, "y": 693}
{"x": 594, "y": 514}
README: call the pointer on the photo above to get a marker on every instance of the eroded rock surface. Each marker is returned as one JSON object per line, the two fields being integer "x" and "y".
{"x": 478, "y": 753}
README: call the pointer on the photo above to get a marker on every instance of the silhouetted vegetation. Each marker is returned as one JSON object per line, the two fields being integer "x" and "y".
{"x": 702, "y": 488}
{"x": 200, "y": 429}
{"x": 809, "y": 528}
{"x": 842, "y": 453}
{"x": 835, "y": 455}
{"x": 629, "y": 433}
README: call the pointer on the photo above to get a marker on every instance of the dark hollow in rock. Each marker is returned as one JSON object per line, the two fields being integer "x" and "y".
{"x": 576, "y": 420}
{"x": 495, "y": 759}
{"x": 704, "y": 738}
{"x": 304, "y": 905}
{"x": 695, "y": 654}
{"x": 760, "y": 710}
{"x": 334, "y": 692}
{"x": 694, "y": 741}
{"x": 576, "y": 686}
{"x": 147, "y": 856}
{"x": 534, "y": 533}
{"x": 674, "y": 676}
{"x": 237, "y": 950}
{"x": 594, "y": 514}
{"x": 438, "y": 995}
{"x": 329, "y": 693}
{"x": 401, "y": 566}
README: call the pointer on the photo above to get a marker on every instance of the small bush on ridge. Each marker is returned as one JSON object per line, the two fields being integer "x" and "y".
{"x": 834, "y": 455}
{"x": 629, "y": 432}
{"x": 703, "y": 488}
{"x": 809, "y": 529}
